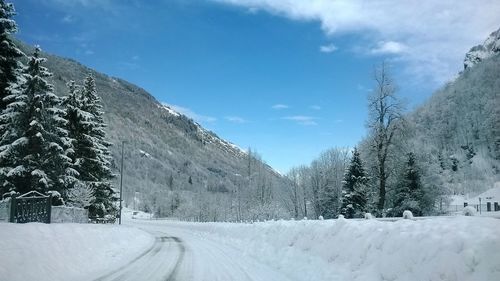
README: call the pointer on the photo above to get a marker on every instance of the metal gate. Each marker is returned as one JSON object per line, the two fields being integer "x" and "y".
{"x": 31, "y": 207}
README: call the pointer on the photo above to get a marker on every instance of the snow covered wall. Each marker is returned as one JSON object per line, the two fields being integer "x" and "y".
{"x": 4, "y": 210}
{"x": 63, "y": 214}
{"x": 458, "y": 248}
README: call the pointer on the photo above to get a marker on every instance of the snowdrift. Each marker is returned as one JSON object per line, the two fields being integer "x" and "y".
{"x": 457, "y": 248}
{"x": 41, "y": 252}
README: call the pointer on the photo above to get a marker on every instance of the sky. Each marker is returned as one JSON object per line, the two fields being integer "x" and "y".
{"x": 287, "y": 78}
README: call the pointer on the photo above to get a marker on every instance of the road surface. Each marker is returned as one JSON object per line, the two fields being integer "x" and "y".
{"x": 178, "y": 255}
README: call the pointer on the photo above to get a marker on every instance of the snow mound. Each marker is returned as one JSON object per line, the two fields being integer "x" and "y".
{"x": 134, "y": 214}
{"x": 469, "y": 211}
{"x": 407, "y": 215}
{"x": 452, "y": 248}
{"x": 369, "y": 216}
{"x": 36, "y": 251}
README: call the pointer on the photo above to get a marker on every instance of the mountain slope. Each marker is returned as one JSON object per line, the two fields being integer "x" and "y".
{"x": 458, "y": 128}
{"x": 173, "y": 166}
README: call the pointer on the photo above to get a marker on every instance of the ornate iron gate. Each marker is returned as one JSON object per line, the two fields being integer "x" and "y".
{"x": 31, "y": 207}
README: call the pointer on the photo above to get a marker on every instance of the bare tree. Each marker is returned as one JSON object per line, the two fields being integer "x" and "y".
{"x": 293, "y": 176}
{"x": 385, "y": 115}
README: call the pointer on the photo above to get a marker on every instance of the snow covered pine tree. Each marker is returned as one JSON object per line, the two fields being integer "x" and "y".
{"x": 409, "y": 192}
{"x": 10, "y": 71}
{"x": 32, "y": 148}
{"x": 90, "y": 156}
{"x": 354, "y": 189}
{"x": 10, "y": 67}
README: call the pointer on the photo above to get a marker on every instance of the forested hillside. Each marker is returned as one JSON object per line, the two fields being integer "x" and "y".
{"x": 458, "y": 129}
{"x": 173, "y": 166}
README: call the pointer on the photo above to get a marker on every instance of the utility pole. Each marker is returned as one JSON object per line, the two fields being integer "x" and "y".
{"x": 121, "y": 186}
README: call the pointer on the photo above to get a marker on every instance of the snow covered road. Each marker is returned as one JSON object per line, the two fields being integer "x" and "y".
{"x": 180, "y": 255}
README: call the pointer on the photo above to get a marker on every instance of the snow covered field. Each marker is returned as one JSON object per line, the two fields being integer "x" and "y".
{"x": 456, "y": 248}
{"x": 52, "y": 252}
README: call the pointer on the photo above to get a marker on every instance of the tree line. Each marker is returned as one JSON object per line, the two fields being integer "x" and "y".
{"x": 50, "y": 144}
{"x": 381, "y": 176}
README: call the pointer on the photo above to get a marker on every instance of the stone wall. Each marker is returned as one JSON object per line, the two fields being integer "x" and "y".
{"x": 63, "y": 214}
{"x": 5, "y": 210}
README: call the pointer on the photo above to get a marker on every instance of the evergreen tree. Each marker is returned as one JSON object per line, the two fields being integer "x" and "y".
{"x": 10, "y": 66}
{"x": 90, "y": 155}
{"x": 32, "y": 153}
{"x": 354, "y": 189}
{"x": 409, "y": 192}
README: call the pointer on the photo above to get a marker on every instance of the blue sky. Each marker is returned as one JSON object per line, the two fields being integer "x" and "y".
{"x": 287, "y": 78}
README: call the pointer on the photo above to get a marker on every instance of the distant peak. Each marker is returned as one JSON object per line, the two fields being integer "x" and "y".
{"x": 490, "y": 47}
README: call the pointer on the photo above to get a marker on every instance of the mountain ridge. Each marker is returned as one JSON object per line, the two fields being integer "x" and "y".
{"x": 488, "y": 48}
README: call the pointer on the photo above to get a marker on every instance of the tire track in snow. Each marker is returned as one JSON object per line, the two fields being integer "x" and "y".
{"x": 123, "y": 272}
{"x": 182, "y": 251}
{"x": 149, "y": 250}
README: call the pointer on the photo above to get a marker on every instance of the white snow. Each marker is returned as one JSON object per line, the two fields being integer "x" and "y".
{"x": 408, "y": 215}
{"x": 451, "y": 248}
{"x": 469, "y": 211}
{"x": 446, "y": 248}
{"x": 134, "y": 214}
{"x": 169, "y": 110}
{"x": 492, "y": 194}
{"x": 54, "y": 252}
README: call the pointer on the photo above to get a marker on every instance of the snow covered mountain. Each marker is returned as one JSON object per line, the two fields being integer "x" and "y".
{"x": 490, "y": 47}
{"x": 173, "y": 165}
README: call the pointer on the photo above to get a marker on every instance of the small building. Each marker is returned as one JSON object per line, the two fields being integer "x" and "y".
{"x": 488, "y": 201}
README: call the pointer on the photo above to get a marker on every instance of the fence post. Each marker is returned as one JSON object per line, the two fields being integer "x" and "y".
{"x": 12, "y": 208}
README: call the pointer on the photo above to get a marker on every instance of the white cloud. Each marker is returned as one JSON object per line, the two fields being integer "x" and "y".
{"x": 437, "y": 34}
{"x": 389, "y": 47}
{"x": 236, "y": 119}
{"x": 330, "y": 48}
{"x": 280, "y": 106}
{"x": 84, "y": 3}
{"x": 252, "y": 10}
{"x": 68, "y": 19}
{"x": 315, "y": 107}
{"x": 191, "y": 114}
{"x": 302, "y": 120}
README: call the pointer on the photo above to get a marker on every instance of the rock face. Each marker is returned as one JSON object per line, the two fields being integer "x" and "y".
{"x": 490, "y": 47}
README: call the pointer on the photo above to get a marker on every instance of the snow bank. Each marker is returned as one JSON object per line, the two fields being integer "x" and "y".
{"x": 134, "y": 214}
{"x": 469, "y": 211}
{"x": 36, "y": 251}
{"x": 457, "y": 248}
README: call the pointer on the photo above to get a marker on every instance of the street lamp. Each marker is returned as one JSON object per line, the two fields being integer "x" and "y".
{"x": 121, "y": 186}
